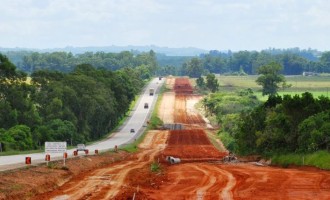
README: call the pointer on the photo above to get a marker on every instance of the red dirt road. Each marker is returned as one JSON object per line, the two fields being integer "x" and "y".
{"x": 242, "y": 181}
{"x": 204, "y": 180}
{"x": 191, "y": 145}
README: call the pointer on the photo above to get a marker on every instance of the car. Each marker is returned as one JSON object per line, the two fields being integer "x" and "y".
{"x": 81, "y": 147}
{"x": 132, "y": 130}
{"x": 146, "y": 105}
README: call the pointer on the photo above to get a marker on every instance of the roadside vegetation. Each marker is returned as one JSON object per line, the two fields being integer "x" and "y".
{"x": 290, "y": 129}
{"x": 79, "y": 106}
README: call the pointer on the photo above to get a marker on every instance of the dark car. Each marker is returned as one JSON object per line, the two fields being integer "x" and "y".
{"x": 132, "y": 130}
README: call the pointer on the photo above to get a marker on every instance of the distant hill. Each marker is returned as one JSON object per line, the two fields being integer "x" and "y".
{"x": 168, "y": 51}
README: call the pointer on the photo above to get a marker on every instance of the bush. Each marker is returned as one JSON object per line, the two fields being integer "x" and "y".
{"x": 320, "y": 159}
{"x": 155, "y": 167}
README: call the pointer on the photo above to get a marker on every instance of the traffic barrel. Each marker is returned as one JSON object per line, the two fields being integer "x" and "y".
{"x": 28, "y": 160}
{"x": 65, "y": 155}
{"x": 86, "y": 151}
{"x": 75, "y": 153}
{"x": 47, "y": 158}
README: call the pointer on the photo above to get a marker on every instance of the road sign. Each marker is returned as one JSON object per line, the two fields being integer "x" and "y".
{"x": 55, "y": 147}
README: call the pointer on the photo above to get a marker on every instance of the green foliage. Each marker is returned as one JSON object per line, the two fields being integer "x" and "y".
{"x": 66, "y": 62}
{"x": 294, "y": 61}
{"x": 228, "y": 141}
{"x": 314, "y": 132}
{"x": 270, "y": 78}
{"x": 212, "y": 83}
{"x": 288, "y": 124}
{"x": 193, "y": 68}
{"x": 201, "y": 83}
{"x": 155, "y": 167}
{"x": 227, "y": 107}
{"x": 19, "y": 138}
{"x": 80, "y": 106}
{"x": 320, "y": 159}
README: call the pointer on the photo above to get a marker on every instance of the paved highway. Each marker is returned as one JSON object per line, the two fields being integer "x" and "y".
{"x": 136, "y": 121}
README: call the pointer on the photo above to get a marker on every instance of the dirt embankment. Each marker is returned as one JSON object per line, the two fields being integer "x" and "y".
{"x": 27, "y": 183}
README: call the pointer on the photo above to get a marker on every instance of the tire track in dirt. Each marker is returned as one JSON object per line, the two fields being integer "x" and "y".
{"x": 105, "y": 183}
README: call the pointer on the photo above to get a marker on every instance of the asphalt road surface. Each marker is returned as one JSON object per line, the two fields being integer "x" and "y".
{"x": 137, "y": 121}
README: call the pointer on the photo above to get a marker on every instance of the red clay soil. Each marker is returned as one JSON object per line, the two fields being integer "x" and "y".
{"x": 182, "y": 85}
{"x": 191, "y": 145}
{"x": 241, "y": 181}
{"x": 182, "y": 116}
{"x": 115, "y": 181}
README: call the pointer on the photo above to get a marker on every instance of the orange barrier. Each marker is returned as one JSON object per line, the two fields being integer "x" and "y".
{"x": 28, "y": 160}
{"x": 47, "y": 158}
{"x": 65, "y": 155}
{"x": 86, "y": 151}
{"x": 75, "y": 153}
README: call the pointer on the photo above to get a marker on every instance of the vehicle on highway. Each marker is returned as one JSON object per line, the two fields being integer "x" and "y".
{"x": 81, "y": 147}
{"x": 151, "y": 91}
{"x": 146, "y": 105}
{"x": 132, "y": 130}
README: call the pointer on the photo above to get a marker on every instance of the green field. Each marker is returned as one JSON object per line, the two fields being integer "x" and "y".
{"x": 317, "y": 85}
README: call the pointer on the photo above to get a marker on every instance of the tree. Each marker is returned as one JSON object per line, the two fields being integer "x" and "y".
{"x": 270, "y": 78}
{"x": 212, "y": 83}
{"x": 22, "y": 138}
{"x": 200, "y": 82}
{"x": 194, "y": 68}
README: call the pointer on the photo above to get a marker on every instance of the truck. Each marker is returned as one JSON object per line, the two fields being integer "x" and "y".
{"x": 151, "y": 91}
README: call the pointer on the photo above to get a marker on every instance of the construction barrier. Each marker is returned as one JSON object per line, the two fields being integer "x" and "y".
{"x": 86, "y": 151}
{"x": 47, "y": 158}
{"x": 65, "y": 155}
{"x": 75, "y": 153}
{"x": 96, "y": 151}
{"x": 28, "y": 160}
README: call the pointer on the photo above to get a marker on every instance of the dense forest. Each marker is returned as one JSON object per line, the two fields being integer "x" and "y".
{"x": 294, "y": 61}
{"x": 77, "y": 105}
{"x": 280, "y": 125}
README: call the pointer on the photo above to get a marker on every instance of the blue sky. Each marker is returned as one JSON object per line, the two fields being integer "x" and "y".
{"x": 207, "y": 24}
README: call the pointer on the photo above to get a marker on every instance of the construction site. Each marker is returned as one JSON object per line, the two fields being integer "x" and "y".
{"x": 189, "y": 166}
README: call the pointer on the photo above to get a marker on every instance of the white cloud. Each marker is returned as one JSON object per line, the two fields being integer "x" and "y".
{"x": 210, "y": 24}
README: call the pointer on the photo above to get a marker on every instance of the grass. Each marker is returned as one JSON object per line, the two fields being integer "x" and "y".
{"x": 15, "y": 152}
{"x": 320, "y": 159}
{"x": 155, "y": 167}
{"x": 317, "y": 85}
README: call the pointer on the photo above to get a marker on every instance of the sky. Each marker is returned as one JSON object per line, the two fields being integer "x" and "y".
{"x": 206, "y": 24}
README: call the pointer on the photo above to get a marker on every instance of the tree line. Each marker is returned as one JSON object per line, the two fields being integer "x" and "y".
{"x": 288, "y": 124}
{"x": 294, "y": 61}
{"x": 285, "y": 124}
{"x": 66, "y": 62}
{"x": 77, "y": 106}
{"x": 248, "y": 62}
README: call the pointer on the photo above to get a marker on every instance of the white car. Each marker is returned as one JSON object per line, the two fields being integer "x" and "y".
{"x": 81, "y": 147}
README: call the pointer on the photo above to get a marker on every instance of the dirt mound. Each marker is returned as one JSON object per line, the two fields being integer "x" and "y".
{"x": 191, "y": 145}
{"x": 188, "y": 137}
{"x": 182, "y": 85}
